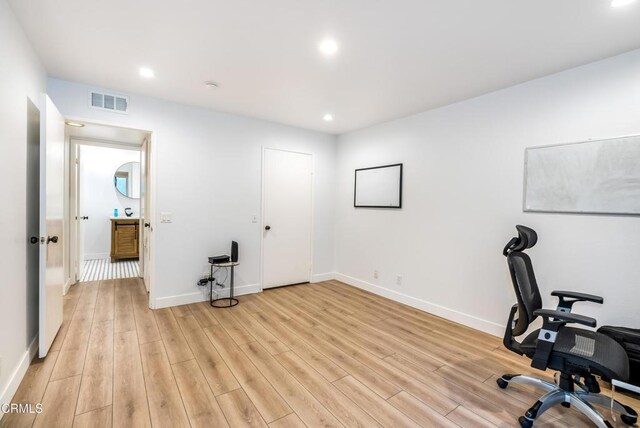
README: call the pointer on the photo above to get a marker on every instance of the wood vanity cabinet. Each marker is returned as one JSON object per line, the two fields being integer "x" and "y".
{"x": 124, "y": 238}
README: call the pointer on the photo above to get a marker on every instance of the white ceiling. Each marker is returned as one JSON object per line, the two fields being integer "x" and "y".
{"x": 396, "y": 57}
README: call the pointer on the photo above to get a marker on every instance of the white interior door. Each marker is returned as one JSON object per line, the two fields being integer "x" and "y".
{"x": 80, "y": 216}
{"x": 287, "y": 218}
{"x": 51, "y": 280}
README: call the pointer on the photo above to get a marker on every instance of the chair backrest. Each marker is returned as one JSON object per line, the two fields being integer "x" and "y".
{"x": 523, "y": 278}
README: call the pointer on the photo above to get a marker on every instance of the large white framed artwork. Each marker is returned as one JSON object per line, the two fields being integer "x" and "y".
{"x": 590, "y": 177}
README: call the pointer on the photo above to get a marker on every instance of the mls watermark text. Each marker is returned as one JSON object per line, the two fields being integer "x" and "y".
{"x": 21, "y": 408}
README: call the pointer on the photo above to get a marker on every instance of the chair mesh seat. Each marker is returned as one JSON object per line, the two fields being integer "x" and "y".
{"x": 599, "y": 354}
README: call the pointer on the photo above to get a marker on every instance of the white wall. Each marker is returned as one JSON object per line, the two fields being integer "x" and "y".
{"x": 463, "y": 181}
{"x": 21, "y": 77}
{"x": 99, "y": 197}
{"x": 208, "y": 168}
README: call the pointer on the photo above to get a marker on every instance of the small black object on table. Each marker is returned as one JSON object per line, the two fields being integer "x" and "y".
{"x": 230, "y": 301}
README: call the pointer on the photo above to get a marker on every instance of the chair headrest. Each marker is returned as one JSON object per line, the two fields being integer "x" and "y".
{"x": 527, "y": 238}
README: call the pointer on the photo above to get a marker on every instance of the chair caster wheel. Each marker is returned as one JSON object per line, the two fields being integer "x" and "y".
{"x": 629, "y": 420}
{"x": 502, "y": 383}
{"x": 631, "y": 417}
{"x": 524, "y": 422}
{"x": 566, "y": 404}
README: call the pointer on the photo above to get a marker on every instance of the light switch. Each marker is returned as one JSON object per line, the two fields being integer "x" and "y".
{"x": 166, "y": 217}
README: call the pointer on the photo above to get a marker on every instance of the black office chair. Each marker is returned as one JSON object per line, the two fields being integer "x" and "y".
{"x": 577, "y": 354}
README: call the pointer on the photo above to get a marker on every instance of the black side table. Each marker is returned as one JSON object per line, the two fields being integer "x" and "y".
{"x": 230, "y": 301}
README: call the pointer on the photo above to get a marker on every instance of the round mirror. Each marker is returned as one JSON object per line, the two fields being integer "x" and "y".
{"x": 127, "y": 180}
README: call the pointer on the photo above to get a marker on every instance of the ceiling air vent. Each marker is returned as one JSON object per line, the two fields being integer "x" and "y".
{"x": 110, "y": 102}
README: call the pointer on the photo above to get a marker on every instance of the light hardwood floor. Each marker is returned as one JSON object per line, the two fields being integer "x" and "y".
{"x": 325, "y": 354}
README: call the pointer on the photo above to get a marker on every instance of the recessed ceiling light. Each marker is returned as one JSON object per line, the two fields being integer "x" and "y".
{"x": 147, "y": 73}
{"x": 328, "y": 117}
{"x": 620, "y": 3}
{"x": 328, "y": 47}
{"x": 211, "y": 84}
{"x": 76, "y": 124}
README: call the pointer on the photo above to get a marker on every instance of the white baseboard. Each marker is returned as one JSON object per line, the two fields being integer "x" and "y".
{"x": 203, "y": 296}
{"x": 96, "y": 256}
{"x": 67, "y": 286}
{"x": 490, "y": 327}
{"x": 18, "y": 374}
{"x": 319, "y": 277}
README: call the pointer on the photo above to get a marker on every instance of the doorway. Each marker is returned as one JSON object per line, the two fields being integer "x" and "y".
{"x": 107, "y": 201}
{"x": 108, "y": 207}
{"x": 287, "y": 215}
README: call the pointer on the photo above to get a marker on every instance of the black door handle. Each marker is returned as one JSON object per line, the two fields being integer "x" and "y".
{"x": 84, "y": 217}
{"x": 147, "y": 225}
{"x": 33, "y": 240}
{"x": 267, "y": 227}
{"x": 53, "y": 239}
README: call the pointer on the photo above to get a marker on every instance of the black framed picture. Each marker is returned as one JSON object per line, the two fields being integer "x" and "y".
{"x": 378, "y": 187}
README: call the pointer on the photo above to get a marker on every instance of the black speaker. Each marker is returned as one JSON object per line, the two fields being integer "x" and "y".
{"x": 234, "y": 251}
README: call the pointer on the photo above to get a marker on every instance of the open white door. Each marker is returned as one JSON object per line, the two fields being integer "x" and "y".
{"x": 51, "y": 280}
{"x": 287, "y": 218}
{"x": 80, "y": 218}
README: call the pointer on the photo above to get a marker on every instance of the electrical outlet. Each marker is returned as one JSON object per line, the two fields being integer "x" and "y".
{"x": 375, "y": 274}
{"x": 166, "y": 217}
{"x": 398, "y": 279}
{"x": 254, "y": 218}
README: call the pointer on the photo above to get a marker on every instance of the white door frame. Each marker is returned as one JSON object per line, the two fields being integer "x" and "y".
{"x": 149, "y": 214}
{"x": 151, "y": 194}
{"x": 74, "y": 236}
{"x": 262, "y": 223}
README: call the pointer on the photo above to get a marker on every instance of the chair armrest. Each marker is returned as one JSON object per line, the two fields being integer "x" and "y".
{"x": 559, "y": 317}
{"x": 552, "y": 321}
{"x": 568, "y": 298}
{"x": 583, "y": 297}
